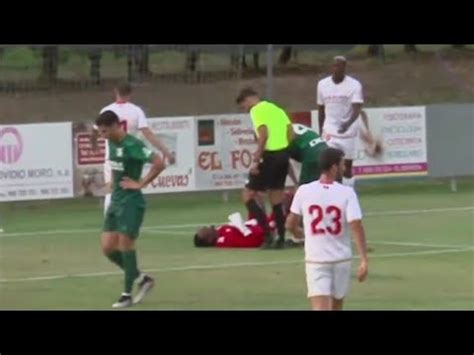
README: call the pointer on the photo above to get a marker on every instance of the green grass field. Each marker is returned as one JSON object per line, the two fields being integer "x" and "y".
{"x": 422, "y": 237}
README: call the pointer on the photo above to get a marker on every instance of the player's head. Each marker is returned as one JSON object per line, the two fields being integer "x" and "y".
{"x": 331, "y": 162}
{"x": 108, "y": 125}
{"x": 339, "y": 66}
{"x": 123, "y": 91}
{"x": 247, "y": 99}
{"x": 205, "y": 237}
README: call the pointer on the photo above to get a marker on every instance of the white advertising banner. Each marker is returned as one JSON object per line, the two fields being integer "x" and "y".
{"x": 224, "y": 148}
{"x": 178, "y": 134}
{"x": 36, "y": 161}
{"x": 402, "y": 133}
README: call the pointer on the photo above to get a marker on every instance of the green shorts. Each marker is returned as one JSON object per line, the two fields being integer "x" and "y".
{"x": 310, "y": 169}
{"x": 125, "y": 218}
{"x": 310, "y": 172}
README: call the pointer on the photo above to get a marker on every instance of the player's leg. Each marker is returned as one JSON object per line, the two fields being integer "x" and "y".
{"x": 129, "y": 262}
{"x": 249, "y": 198}
{"x": 348, "y": 179}
{"x": 108, "y": 185}
{"x": 342, "y": 280}
{"x": 276, "y": 173}
{"x": 319, "y": 283}
{"x": 348, "y": 147}
{"x": 321, "y": 303}
{"x": 129, "y": 222}
{"x": 337, "y": 304}
{"x": 110, "y": 247}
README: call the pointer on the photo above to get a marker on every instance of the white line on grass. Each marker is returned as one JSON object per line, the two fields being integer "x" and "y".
{"x": 221, "y": 266}
{"x": 178, "y": 226}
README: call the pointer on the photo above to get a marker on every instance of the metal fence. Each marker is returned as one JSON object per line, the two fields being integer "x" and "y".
{"x": 42, "y": 67}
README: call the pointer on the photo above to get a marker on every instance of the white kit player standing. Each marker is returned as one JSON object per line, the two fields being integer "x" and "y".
{"x": 340, "y": 99}
{"x": 133, "y": 121}
{"x": 330, "y": 213}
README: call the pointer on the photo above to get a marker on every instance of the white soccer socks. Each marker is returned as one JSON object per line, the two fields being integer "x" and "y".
{"x": 107, "y": 201}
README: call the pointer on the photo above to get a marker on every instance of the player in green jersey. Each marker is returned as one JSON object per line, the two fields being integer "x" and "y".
{"x": 125, "y": 214}
{"x": 305, "y": 148}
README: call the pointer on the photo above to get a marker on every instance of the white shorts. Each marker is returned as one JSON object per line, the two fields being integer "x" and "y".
{"x": 331, "y": 279}
{"x": 346, "y": 144}
{"x": 107, "y": 172}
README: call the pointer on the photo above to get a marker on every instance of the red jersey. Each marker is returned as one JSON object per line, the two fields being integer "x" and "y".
{"x": 232, "y": 237}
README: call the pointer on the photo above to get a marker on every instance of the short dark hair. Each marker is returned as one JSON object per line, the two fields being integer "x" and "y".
{"x": 201, "y": 242}
{"x": 329, "y": 157}
{"x": 244, "y": 93}
{"x": 107, "y": 118}
{"x": 124, "y": 89}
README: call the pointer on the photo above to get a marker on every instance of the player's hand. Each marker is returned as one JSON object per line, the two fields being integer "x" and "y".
{"x": 171, "y": 158}
{"x": 130, "y": 184}
{"x": 362, "y": 271}
{"x": 254, "y": 169}
{"x": 344, "y": 127}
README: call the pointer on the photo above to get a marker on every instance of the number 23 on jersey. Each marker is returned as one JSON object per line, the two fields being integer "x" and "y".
{"x": 333, "y": 228}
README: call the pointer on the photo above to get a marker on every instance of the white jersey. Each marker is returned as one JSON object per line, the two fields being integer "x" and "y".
{"x": 327, "y": 209}
{"x": 132, "y": 119}
{"x": 337, "y": 100}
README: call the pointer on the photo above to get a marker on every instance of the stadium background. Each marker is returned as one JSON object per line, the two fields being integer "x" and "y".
{"x": 425, "y": 224}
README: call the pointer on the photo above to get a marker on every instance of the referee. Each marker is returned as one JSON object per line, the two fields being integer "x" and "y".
{"x": 270, "y": 162}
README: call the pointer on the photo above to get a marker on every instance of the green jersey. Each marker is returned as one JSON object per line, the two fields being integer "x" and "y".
{"x": 306, "y": 144}
{"x": 127, "y": 159}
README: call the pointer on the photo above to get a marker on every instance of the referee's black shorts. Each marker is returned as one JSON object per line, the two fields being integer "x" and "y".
{"x": 273, "y": 170}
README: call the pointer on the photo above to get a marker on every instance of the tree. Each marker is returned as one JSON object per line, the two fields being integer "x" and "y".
{"x": 95, "y": 56}
{"x": 192, "y": 58}
{"x": 50, "y": 56}
{"x": 285, "y": 55}
{"x": 410, "y": 48}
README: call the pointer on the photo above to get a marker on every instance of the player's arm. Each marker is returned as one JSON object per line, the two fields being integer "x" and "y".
{"x": 157, "y": 143}
{"x": 358, "y": 235}
{"x": 143, "y": 154}
{"x": 261, "y": 141}
{"x": 357, "y": 101}
{"x": 292, "y": 175}
{"x": 293, "y": 221}
{"x": 321, "y": 118}
{"x": 354, "y": 218}
{"x": 293, "y": 225}
{"x": 95, "y": 139}
{"x": 321, "y": 111}
{"x": 157, "y": 166}
{"x": 290, "y": 133}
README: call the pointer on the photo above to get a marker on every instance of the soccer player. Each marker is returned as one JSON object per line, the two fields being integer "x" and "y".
{"x": 270, "y": 161}
{"x": 339, "y": 99}
{"x": 329, "y": 210}
{"x": 306, "y": 148}
{"x": 123, "y": 219}
{"x": 133, "y": 121}
{"x": 234, "y": 234}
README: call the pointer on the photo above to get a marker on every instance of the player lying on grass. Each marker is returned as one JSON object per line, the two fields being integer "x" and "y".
{"x": 234, "y": 234}
{"x": 123, "y": 219}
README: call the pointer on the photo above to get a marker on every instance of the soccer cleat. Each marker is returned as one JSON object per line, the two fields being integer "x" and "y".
{"x": 268, "y": 243}
{"x": 123, "y": 302}
{"x": 144, "y": 286}
{"x": 279, "y": 244}
{"x": 292, "y": 244}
